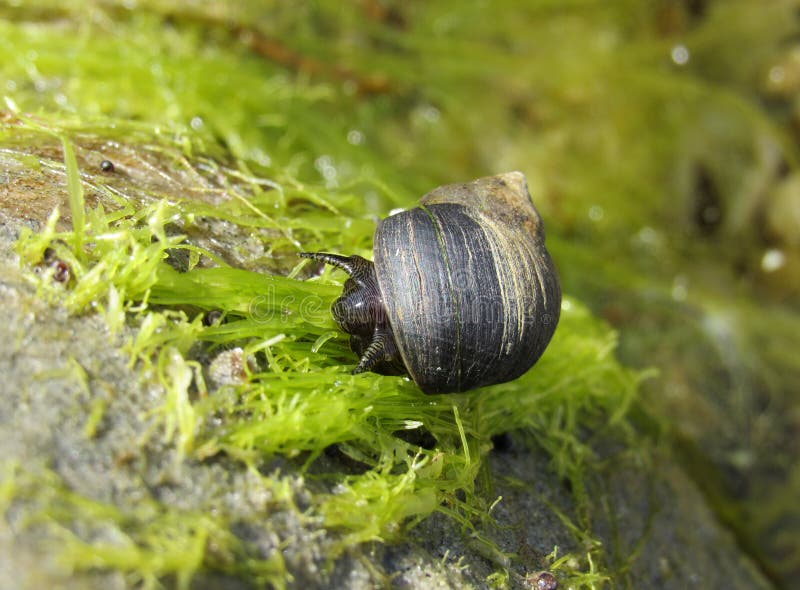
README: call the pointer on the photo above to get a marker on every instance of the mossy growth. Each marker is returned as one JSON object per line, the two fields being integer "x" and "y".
{"x": 295, "y": 127}
{"x": 294, "y": 396}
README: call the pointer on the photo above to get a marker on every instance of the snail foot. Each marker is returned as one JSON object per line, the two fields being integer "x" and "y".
{"x": 382, "y": 349}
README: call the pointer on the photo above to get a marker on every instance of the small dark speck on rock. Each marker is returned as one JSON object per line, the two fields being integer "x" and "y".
{"x": 107, "y": 166}
{"x": 60, "y": 271}
{"x": 213, "y": 317}
{"x": 502, "y": 442}
{"x": 420, "y": 437}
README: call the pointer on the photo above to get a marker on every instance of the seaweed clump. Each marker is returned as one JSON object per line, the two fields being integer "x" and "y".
{"x": 238, "y": 136}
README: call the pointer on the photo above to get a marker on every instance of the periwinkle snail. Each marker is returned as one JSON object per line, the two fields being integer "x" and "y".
{"x": 462, "y": 293}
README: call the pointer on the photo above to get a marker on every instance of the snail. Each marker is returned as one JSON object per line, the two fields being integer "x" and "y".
{"x": 462, "y": 292}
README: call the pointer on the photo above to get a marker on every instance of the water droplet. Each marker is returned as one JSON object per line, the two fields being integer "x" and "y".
{"x": 772, "y": 260}
{"x": 355, "y": 137}
{"x": 680, "y": 55}
{"x": 777, "y": 74}
{"x": 430, "y": 113}
{"x": 647, "y": 235}
{"x": 680, "y": 288}
{"x": 596, "y": 213}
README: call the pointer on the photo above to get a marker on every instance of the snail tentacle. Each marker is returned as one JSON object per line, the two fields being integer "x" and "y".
{"x": 355, "y": 265}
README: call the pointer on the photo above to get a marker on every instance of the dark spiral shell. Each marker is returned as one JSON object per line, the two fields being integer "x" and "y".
{"x": 469, "y": 289}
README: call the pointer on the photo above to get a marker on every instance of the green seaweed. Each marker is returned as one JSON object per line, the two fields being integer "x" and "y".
{"x": 298, "y": 399}
{"x": 300, "y": 124}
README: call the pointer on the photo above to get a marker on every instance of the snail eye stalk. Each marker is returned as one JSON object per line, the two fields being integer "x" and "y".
{"x": 356, "y": 266}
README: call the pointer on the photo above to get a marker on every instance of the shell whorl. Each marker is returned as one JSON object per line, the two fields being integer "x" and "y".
{"x": 469, "y": 288}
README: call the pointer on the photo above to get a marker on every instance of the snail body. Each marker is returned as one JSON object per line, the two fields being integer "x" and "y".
{"x": 462, "y": 292}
